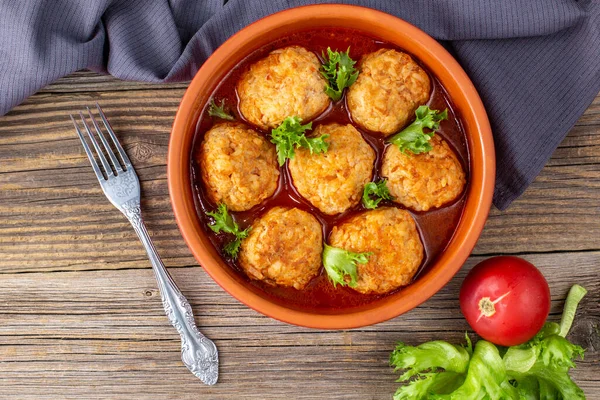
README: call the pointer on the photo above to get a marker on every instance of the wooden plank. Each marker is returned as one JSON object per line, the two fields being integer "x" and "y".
{"x": 559, "y": 212}
{"x": 580, "y": 147}
{"x": 75, "y": 333}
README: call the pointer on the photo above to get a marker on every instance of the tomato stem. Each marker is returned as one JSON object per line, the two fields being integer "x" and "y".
{"x": 487, "y": 307}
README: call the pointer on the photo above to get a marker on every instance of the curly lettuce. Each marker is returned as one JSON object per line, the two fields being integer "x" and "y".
{"x": 290, "y": 135}
{"x": 538, "y": 369}
{"x": 339, "y": 71}
{"x": 414, "y": 138}
{"x": 224, "y": 223}
{"x": 341, "y": 265}
{"x": 374, "y": 192}
{"x": 219, "y": 111}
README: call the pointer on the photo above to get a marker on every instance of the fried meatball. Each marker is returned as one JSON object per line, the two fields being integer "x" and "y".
{"x": 333, "y": 181}
{"x": 284, "y": 248}
{"x": 390, "y": 234}
{"x": 426, "y": 180}
{"x": 238, "y": 165}
{"x": 389, "y": 88}
{"x": 286, "y": 83}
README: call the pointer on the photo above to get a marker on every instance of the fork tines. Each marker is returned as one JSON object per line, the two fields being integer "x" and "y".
{"x": 117, "y": 167}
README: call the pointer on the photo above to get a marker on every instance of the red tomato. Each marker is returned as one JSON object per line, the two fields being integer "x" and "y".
{"x": 505, "y": 300}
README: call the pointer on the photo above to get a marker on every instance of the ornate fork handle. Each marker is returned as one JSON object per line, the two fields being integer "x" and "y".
{"x": 121, "y": 186}
{"x": 198, "y": 353}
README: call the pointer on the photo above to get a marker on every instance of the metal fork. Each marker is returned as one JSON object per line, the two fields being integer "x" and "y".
{"x": 121, "y": 186}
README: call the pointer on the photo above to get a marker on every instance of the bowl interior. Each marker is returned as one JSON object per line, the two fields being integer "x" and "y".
{"x": 379, "y": 25}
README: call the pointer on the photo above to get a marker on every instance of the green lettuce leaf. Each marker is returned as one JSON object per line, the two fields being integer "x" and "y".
{"x": 218, "y": 111}
{"x": 339, "y": 71}
{"x": 291, "y": 134}
{"x": 538, "y": 369}
{"x": 575, "y": 295}
{"x": 546, "y": 360}
{"x": 543, "y": 363}
{"x": 484, "y": 376}
{"x": 224, "y": 223}
{"x": 428, "y": 356}
{"x": 374, "y": 192}
{"x": 413, "y": 138}
{"x": 340, "y": 263}
{"x": 432, "y": 367}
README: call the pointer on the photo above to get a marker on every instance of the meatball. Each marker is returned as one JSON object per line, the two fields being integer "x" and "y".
{"x": 391, "y": 236}
{"x": 426, "y": 180}
{"x": 333, "y": 181}
{"x": 238, "y": 165}
{"x": 284, "y": 248}
{"x": 286, "y": 83}
{"x": 389, "y": 88}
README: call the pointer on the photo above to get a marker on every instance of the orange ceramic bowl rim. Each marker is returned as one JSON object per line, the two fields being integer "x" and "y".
{"x": 390, "y": 29}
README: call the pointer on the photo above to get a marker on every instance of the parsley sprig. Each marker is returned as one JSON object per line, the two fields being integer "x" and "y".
{"x": 223, "y": 222}
{"x": 340, "y": 263}
{"x": 379, "y": 190}
{"x": 339, "y": 71}
{"x": 290, "y": 135}
{"x": 413, "y": 138}
{"x": 219, "y": 111}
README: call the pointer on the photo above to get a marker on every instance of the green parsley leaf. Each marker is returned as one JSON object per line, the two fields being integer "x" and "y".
{"x": 290, "y": 135}
{"x": 340, "y": 263}
{"x": 223, "y": 222}
{"x": 339, "y": 71}
{"x": 379, "y": 190}
{"x": 219, "y": 111}
{"x": 413, "y": 137}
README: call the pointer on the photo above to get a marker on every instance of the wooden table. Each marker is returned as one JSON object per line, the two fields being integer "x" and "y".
{"x": 80, "y": 315}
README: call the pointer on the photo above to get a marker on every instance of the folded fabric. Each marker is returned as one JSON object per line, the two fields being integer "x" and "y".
{"x": 535, "y": 63}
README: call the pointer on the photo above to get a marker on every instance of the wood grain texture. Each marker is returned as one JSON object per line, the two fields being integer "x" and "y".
{"x": 78, "y": 330}
{"x": 80, "y": 315}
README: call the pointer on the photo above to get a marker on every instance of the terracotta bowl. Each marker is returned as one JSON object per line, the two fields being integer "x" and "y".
{"x": 375, "y": 24}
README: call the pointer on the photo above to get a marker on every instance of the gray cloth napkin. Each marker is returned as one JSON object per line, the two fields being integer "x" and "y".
{"x": 535, "y": 63}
